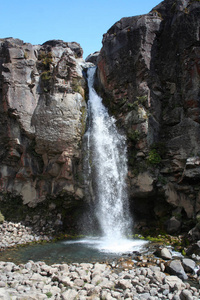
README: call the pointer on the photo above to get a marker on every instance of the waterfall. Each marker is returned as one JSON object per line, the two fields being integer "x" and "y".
{"x": 106, "y": 168}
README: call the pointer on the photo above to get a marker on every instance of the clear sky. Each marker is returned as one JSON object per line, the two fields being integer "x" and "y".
{"x": 82, "y": 21}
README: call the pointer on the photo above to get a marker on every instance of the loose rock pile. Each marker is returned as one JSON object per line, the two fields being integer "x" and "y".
{"x": 89, "y": 281}
{"x": 12, "y": 234}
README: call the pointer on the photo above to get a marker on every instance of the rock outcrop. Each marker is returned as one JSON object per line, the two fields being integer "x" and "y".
{"x": 42, "y": 120}
{"x": 149, "y": 73}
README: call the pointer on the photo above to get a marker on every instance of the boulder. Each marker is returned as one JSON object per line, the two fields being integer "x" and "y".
{"x": 163, "y": 253}
{"x": 175, "y": 267}
{"x": 188, "y": 265}
{"x": 194, "y": 249}
{"x": 173, "y": 225}
{"x": 173, "y": 281}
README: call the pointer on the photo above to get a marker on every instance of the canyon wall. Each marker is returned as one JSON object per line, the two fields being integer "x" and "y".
{"x": 149, "y": 69}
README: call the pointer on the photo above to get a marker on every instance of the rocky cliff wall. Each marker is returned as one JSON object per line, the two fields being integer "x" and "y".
{"x": 42, "y": 120}
{"x": 148, "y": 69}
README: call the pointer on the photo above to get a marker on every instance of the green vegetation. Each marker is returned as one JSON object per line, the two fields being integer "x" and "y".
{"x": 162, "y": 179}
{"x": 1, "y": 218}
{"x": 45, "y": 59}
{"x": 25, "y": 54}
{"x": 156, "y": 153}
{"x": 134, "y": 136}
{"x": 158, "y": 14}
{"x": 77, "y": 87}
{"x": 46, "y": 76}
{"x": 141, "y": 100}
{"x": 178, "y": 242}
{"x": 49, "y": 294}
{"x": 44, "y": 64}
{"x": 153, "y": 157}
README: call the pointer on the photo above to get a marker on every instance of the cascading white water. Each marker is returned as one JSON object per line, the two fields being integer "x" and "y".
{"x": 106, "y": 168}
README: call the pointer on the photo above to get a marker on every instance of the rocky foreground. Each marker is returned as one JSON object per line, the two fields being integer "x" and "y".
{"x": 36, "y": 280}
{"x": 138, "y": 278}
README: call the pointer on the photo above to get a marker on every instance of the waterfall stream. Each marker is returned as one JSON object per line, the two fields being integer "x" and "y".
{"x": 107, "y": 167}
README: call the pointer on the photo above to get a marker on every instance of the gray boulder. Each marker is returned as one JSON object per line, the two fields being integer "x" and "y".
{"x": 163, "y": 253}
{"x": 188, "y": 265}
{"x": 175, "y": 267}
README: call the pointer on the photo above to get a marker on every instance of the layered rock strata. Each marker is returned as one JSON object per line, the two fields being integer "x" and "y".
{"x": 148, "y": 69}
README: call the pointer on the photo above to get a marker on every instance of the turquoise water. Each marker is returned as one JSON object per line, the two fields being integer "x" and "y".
{"x": 83, "y": 250}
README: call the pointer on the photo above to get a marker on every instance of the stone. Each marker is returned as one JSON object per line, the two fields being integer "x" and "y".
{"x": 173, "y": 281}
{"x": 163, "y": 253}
{"x": 93, "y": 57}
{"x": 175, "y": 267}
{"x": 173, "y": 225}
{"x": 69, "y": 295}
{"x": 4, "y": 295}
{"x": 188, "y": 265}
{"x": 186, "y": 295}
{"x": 123, "y": 284}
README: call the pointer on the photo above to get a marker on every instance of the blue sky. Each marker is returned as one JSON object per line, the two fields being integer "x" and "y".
{"x": 81, "y": 21}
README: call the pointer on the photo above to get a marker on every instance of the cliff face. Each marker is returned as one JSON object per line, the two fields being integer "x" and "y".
{"x": 42, "y": 120}
{"x": 149, "y": 72}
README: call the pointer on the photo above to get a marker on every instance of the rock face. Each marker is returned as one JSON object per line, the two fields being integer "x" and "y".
{"x": 42, "y": 120}
{"x": 148, "y": 69}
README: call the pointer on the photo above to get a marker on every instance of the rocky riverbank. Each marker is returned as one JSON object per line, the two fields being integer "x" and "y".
{"x": 36, "y": 280}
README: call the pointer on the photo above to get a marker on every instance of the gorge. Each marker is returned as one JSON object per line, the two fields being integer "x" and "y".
{"x": 148, "y": 78}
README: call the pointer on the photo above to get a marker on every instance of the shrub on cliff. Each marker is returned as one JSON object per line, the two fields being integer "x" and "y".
{"x": 1, "y": 218}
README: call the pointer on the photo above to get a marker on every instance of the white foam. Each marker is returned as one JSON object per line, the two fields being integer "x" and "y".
{"x": 110, "y": 245}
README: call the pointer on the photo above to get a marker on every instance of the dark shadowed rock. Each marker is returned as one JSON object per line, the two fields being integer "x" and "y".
{"x": 173, "y": 225}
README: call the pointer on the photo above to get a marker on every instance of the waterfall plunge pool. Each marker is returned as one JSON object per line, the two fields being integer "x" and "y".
{"x": 89, "y": 249}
